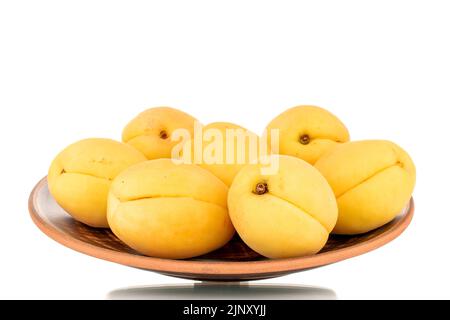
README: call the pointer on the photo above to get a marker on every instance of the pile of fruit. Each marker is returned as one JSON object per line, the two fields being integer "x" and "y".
{"x": 163, "y": 192}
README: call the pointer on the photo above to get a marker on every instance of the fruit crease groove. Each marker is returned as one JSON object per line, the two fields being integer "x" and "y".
{"x": 131, "y": 199}
{"x": 303, "y": 210}
{"x": 85, "y": 174}
{"x": 368, "y": 178}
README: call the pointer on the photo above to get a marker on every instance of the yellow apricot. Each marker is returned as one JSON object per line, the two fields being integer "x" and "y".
{"x": 168, "y": 210}
{"x": 150, "y": 131}
{"x": 224, "y": 150}
{"x": 307, "y": 132}
{"x": 80, "y": 176}
{"x": 372, "y": 180}
{"x": 288, "y": 213}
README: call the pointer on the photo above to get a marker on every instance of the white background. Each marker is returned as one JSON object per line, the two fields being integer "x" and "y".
{"x": 70, "y": 70}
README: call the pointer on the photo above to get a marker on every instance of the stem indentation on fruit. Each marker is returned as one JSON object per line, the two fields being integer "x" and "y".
{"x": 163, "y": 134}
{"x": 261, "y": 188}
{"x": 304, "y": 139}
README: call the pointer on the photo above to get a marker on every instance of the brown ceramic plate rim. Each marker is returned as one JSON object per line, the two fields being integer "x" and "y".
{"x": 240, "y": 268}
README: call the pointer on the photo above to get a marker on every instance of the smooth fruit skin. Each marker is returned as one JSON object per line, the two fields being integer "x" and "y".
{"x": 372, "y": 180}
{"x": 292, "y": 219}
{"x": 80, "y": 176}
{"x": 321, "y": 129}
{"x": 150, "y": 131}
{"x": 168, "y": 210}
{"x": 226, "y": 171}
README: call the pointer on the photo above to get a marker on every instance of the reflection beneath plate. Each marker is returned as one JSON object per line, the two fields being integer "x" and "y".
{"x": 223, "y": 291}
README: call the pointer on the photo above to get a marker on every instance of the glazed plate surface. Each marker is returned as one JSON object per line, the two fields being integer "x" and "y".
{"x": 234, "y": 262}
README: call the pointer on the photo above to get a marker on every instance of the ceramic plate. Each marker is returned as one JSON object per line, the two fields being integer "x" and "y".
{"x": 233, "y": 262}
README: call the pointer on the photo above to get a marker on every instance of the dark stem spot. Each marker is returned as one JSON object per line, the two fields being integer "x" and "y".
{"x": 304, "y": 139}
{"x": 261, "y": 188}
{"x": 163, "y": 134}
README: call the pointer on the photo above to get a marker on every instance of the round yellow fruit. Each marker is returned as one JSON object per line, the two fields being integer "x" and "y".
{"x": 307, "y": 132}
{"x": 224, "y": 150}
{"x": 151, "y": 131}
{"x": 372, "y": 180}
{"x": 80, "y": 176}
{"x": 168, "y": 210}
{"x": 288, "y": 213}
